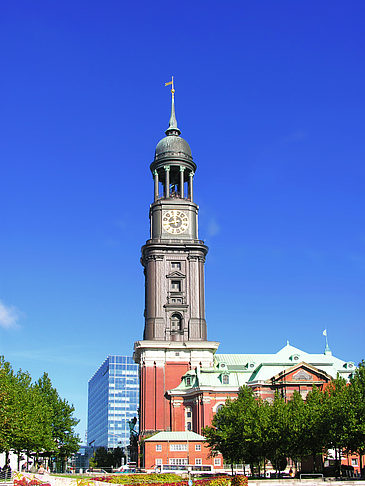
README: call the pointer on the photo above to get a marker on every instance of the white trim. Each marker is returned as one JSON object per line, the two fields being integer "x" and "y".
{"x": 214, "y": 409}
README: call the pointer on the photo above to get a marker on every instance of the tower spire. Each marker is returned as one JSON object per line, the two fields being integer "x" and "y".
{"x": 172, "y": 130}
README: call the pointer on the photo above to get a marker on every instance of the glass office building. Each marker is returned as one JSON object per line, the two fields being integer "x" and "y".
{"x": 113, "y": 398}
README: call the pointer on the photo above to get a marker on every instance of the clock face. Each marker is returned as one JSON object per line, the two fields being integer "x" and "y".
{"x": 175, "y": 221}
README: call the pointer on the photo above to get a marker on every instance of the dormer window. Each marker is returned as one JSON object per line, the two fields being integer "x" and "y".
{"x": 294, "y": 357}
{"x": 225, "y": 379}
{"x": 349, "y": 365}
{"x": 188, "y": 381}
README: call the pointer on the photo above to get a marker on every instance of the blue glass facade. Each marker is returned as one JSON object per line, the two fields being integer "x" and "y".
{"x": 113, "y": 398}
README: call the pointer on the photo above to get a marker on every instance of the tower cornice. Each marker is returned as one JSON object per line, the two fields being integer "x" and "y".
{"x": 174, "y": 346}
{"x": 156, "y": 248}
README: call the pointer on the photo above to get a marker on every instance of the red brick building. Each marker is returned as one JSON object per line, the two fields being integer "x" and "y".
{"x": 203, "y": 389}
{"x": 179, "y": 449}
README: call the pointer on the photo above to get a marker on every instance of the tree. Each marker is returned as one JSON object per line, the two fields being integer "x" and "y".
{"x": 34, "y": 432}
{"x": 252, "y": 425}
{"x": 9, "y": 412}
{"x": 356, "y": 397}
{"x": 107, "y": 459}
{"x": 277, "y": 435}
{"x": 118, "y": 457}
{"x": 102, "y": 457}
{"x": 61, "y": 420}
{"x": 222, "y": 434}
{"x": 33, "y": 417}
{"x": 298, "y": 425}
{"x": 237, "y": 430}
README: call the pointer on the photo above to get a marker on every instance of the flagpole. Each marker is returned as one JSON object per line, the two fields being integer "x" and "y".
{"x": 326, "y": 349}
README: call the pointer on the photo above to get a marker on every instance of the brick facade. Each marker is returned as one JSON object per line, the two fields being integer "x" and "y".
{"x": 193, "y": 451}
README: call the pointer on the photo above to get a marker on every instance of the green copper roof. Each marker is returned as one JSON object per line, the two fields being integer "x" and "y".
{"x": 186, "y": 436}
{"x": 246, "y": 369}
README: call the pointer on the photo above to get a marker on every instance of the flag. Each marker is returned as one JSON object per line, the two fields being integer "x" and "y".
{"x": 170, "y": 82}
{"x": 325, "y": 332}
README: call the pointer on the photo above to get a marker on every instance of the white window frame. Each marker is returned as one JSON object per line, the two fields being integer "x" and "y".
{"x": 178, "y": 447}
{"x": 178, "y": 461}
{"x": 158, "y": 461}
{"x": 217, "y": 461}
{"x": 198, "y": 461}
{"x": 198, "y": 447}
{"x": 158, "y": 447}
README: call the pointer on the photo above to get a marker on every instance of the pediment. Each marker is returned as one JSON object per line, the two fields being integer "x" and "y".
{"x": 175, "y": 274}
{"x": 299, "y": 373}
{"x": 302, "y": 375}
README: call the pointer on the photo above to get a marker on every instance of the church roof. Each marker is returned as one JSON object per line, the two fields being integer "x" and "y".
{"x": 186, "y": 436}
{"x": 264, "y": 366}
{"x": 249, "y": 369}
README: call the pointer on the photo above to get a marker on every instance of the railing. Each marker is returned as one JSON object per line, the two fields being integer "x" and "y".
{"x": 6, "y": 476}
{"x": 185, "y": 468}
{"x": 173, "y": 195}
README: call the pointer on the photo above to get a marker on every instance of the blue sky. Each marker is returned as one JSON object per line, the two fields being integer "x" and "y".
{"x": 270, "y": 97}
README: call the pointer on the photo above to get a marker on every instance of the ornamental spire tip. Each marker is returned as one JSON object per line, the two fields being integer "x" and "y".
{"x": 172, "y": 130}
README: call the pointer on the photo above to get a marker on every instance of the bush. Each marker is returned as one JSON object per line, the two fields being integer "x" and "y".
{"x": 168, "y": 479}
{"x": 143, "y": 479}
{"x": 222, "y": 481}
{"x": 239, "y": 480}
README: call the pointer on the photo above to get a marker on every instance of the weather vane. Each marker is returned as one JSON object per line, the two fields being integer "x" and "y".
{"x": 172, "y": 85}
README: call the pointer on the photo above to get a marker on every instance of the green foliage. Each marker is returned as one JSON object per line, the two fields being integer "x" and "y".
{"x": 32, "y": 416}
{"x": 223, "y": 436}
{"x": 277, "y": 433}
{"x": 296, "y": 410}
{"x": 104, "y": 458}
{"x": 356, "y": 400}
{"x": 9, "y": 414}
{"x": 62, "y": 421}
{"x": 338, "y": 418}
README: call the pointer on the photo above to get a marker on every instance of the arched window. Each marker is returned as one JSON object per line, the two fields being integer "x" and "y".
{"x": 188, "y": 418}
{"x": 176, "y": 323}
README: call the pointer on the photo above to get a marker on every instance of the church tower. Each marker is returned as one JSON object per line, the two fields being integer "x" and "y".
{"x": 175, "y": 331}
{"x": 174, "y": 257}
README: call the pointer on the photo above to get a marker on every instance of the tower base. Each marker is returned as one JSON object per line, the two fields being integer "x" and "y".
{"x": 161, "y": 365}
